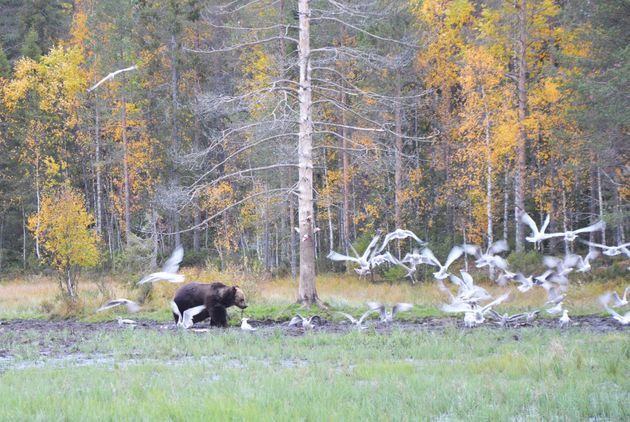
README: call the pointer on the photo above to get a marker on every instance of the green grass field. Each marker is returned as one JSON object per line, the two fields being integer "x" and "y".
{"x": 482, "y": 374}
{"x": 82, "y": 372}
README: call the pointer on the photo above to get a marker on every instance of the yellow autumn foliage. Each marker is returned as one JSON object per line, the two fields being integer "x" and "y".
{"x": 64, "y": 229}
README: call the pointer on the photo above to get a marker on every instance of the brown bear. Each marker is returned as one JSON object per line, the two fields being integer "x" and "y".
{"x": 215, "y": 296}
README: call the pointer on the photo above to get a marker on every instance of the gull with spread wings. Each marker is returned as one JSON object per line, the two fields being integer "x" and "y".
{"x": 129, "y": 304}
{"x": 453, "y": 255}
{"x": 169, "y": 269}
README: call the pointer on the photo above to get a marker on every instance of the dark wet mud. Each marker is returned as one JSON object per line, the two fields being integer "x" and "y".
{"x": 61, "y": 340}
{"x": 589, "y": 322}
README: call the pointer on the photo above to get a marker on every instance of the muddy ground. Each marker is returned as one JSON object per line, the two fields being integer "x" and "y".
{"x": 63, "y": 336}
{"x": 590, "y": 322}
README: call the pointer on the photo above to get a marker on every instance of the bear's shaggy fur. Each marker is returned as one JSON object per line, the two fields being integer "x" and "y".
{"x": 215, "y": 296}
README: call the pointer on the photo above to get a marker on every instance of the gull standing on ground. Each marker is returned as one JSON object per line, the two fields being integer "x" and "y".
{"x": 169, "y": 269}
{"x": 453, "y": 255}
{"x": 388, "y": 317}
{"x": 245, "y": 326}
{"x": 564, "y": 319}
{"x": 129, "y": 304}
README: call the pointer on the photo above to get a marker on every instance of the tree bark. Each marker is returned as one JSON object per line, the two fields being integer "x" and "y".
{"x": 519, "y": 192}
{"x": 489, "y": 231}
{"x": 23, "y": 238}
{"x": 97, "y": 165}
{"x": 600, "y": 202}
{"x": 123, "y": 123}
{"x": 38, "y": 196}
{"x": 398, "y": 166}
{"x": 293, "y": 239}
{"x": 565, "y": 221}
{"x": 346, "y": 176}
{"x": 307, "y": 293}
{"x": 506, "y": 199}
{"x": 175, "y": 129}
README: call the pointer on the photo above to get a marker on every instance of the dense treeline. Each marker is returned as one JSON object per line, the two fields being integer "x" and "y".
{"x": 438, "y": 116}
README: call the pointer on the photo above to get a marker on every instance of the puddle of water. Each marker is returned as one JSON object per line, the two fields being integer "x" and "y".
{"x": 79, "y": 360}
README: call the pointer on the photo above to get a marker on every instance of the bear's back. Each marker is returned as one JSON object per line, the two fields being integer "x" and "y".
{"x": 195, "y": 294}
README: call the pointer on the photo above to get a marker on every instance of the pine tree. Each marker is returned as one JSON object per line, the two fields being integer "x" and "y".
{"x": 30, "y": 47}
{"x": 5, "y": 66}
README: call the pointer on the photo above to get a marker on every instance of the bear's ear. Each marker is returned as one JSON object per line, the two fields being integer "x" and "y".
{"x": 234, "y": 288}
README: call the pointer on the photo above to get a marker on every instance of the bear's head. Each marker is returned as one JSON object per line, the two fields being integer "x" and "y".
{"x": 239, "y": 297}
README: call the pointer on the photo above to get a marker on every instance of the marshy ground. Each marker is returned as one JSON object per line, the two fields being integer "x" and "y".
{"x": 424, "y": 366}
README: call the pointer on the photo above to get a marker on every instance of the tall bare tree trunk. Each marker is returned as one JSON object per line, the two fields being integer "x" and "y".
{"x": 1, "y": 239}
{"x": 38, "y": 196}
{"x": 506, "y": 201}
{"x": 97, "y": 165}
{"x": 23, "y": 238}
{"x": 307, "y": 293}
{"x": 489, "y": 231}
{"x": 519, "y": 191}
{"x": 346, "y": 176}
{"x": 123, "y": 123}
{"x": 486, "y": 124}
{"x": 620, "y": 232}
{"x": 600, "y": 202}
{"x": 398, "y": 166}
{"x": 174, "y": 129}
{"x": 293, "y": 239}
{"x": 565, "y": 221}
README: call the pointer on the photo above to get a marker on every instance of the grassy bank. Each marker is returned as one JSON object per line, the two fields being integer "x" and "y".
{"x": 477, "y": 375}
{"x": 37, "y": 297}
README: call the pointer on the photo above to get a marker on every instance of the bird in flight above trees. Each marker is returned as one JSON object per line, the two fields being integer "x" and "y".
{"x": 169, "y": 269}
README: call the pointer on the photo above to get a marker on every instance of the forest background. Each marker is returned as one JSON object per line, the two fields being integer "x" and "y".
{"x": 438, "y": 116}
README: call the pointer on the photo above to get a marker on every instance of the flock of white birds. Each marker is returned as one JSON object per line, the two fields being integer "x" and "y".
{"x": 472, "y": 300}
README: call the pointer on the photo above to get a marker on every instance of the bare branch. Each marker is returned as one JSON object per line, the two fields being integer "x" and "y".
{"x": 237, "y": 152}
{"x": 239, "y": 46}
{"x": 197, "y": 190}
{"x": 363, "y": 31}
